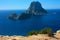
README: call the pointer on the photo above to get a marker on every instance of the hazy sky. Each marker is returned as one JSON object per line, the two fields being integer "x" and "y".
{"x": 24, "y": 4}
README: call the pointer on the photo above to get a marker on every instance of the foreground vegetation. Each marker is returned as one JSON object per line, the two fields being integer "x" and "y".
{"x": 43, "y": 31}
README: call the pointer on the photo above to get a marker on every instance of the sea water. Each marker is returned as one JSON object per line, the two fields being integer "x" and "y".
{"x": 22, "y": 27}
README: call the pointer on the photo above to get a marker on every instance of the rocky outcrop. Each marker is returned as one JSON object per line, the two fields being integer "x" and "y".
{"x": 36, "y": 9}
{"x": 23, "y": 16}
{"x": 57, "y": 34}
{"x": 12, "y": 16}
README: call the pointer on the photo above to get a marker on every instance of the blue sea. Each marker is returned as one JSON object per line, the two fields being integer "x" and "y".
{"x": 22, "y": 27}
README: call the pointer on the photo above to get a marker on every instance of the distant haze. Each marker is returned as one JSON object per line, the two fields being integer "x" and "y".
{"x": 24, "y": 4}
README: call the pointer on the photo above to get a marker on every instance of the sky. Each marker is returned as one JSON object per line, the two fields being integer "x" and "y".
{"x": 24, "y": 4}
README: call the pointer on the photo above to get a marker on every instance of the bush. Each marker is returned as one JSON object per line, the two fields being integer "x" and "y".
{"x": 43, "y": 31}
{"x": 33, "y": 32}
{"x": 46, "y": 31}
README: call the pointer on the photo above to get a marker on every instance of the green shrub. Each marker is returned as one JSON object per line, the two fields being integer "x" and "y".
{"x": 33, "y": 32}
{"x": 46, "y": 31}
{"x": 43, "y": 31}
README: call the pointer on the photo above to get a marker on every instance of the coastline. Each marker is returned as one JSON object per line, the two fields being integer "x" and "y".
{"x": 32, "y": 37}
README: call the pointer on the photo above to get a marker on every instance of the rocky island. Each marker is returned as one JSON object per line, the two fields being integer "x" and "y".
{"x": 12, "y": 16}
{"x": 34, "y": 9}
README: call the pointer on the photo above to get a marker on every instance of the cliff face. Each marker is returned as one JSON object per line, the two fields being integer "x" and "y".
{"x": 36, "y": 9}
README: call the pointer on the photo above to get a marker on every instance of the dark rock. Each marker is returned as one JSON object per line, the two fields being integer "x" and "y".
{"x": 13, "y": 39}
{"x": 12, "y": 16}
{"x": 23, "y": 16}
{"x": 36, "y": 9}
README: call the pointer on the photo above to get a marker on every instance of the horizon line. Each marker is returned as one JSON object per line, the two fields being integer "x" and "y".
{"x": 20, "y": 9}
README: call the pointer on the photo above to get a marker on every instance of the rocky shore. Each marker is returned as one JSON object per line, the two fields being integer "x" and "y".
{"x": 33, "y": 37}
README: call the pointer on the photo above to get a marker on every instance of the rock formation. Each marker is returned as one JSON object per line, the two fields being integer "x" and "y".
{"x": 34, "y": 9}
{"x": 23, "y": 16}
{"x": 12, "y": 16}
